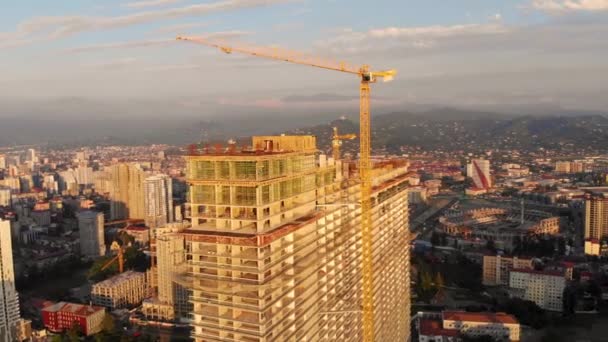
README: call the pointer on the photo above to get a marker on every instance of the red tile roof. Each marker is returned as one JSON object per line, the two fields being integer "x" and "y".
{"x": 482, "y": 317}
{"x": 431, "y": 327}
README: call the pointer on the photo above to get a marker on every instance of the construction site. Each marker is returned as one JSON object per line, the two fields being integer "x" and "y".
{"x": 274, "y": 251}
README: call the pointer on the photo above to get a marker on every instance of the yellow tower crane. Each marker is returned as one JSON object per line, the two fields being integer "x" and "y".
{"x": 336, "y": 142}
{"x": 366, "y": 77}
{"x": 119, "y": 257}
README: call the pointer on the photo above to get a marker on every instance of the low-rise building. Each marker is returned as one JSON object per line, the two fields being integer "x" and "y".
{"x": 451, "y": 326}
{"x": 124, "y": 290}
{"x": 62, "y": 316}
{"x": 496, "y": 268}
{"x": 545, "y": 288}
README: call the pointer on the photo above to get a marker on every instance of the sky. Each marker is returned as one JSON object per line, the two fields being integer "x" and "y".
{"x": 120, "y": 56}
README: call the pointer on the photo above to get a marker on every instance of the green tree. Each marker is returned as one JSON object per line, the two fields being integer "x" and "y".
{"x": 74, "y": 333}
{"x": 57, "y": 338}
{"x": 108, "y": 325}
{"x": 439, "y": 282}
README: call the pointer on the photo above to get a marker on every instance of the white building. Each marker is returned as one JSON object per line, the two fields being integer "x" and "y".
{"x": 124, "y": 290}
{"x": 9, "y": 299}
{"x": 545, "y": 288}
{"x": 158, "y": 201}
{"x": 450, "y": 326}
{"x": 84, "y": 175}
{"x": 479, "y": 171}
{"x": 90, "y": 225}
{"x": 2, "y": 161}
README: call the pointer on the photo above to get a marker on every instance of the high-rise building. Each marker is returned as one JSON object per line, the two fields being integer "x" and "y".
{"x": 545, "y": 288}
{"x": 596, "y": 221}
{"x": 9, "y": 299}
{"x": 31, "y": 155}
{"x": 90, "y": 225}
{"x": 274, "y": 252}
{"x": 158, "y": 201}
{"x": 2, "y": 161}
{"x": 496, "y": 268}
{"x": 479, "y": 171}
{"x": 84, "y": 175}
{"x": 127, "y": 191}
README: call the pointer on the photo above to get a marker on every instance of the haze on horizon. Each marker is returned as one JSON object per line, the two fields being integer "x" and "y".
{"x": 115, "y": 58}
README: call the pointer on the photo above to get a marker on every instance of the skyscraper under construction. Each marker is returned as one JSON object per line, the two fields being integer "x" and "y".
{"x": 274, "y": 252}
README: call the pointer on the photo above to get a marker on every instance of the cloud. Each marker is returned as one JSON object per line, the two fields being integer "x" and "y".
{"x": 114, "y": 64}
{"x": 122, "y": 45}
{"x": 180, "y": 28}
{"x": 561, "y": 6}
{"x": 152, "y": 42}
{"x": 422, "y": 37}
{"x": 63, "y": 26}
{"x": 150, "y": 3}
{"x": 322, "y": 97}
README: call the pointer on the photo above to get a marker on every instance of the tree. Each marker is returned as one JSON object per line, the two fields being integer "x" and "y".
{"x": 74, "y": 333}
{"x": 439, "y": 283}
{"x": 108, "y": 325}
{"x": 435, "y": 239}
{"x": 491, "y": 246}
{"x": 57, "y": 338}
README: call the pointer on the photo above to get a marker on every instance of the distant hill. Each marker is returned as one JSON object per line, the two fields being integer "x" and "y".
{"x": 438, "y": 128}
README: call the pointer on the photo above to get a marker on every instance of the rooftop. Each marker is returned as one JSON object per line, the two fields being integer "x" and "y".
{"x": 542, "y": 272}
{"x": 120, "y": 278}
{"x": 481, "y": 317}
{"x": 433, "y": 327}
{"x": 77, "y": 309}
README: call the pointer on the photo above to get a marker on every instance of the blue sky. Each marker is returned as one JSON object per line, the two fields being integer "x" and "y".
{"x": 467, "y": 53}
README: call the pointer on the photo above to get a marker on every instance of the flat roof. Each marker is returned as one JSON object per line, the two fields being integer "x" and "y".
{"x": 481, "y": 317}
{"x": 77, "y": 309}
{"x": 433, "y": 327}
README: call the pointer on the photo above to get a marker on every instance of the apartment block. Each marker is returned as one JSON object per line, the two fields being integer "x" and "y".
{"x": 9, "y": 299}
{"x": 496, "y": 268}
{"x": 274, "y": 252}
{"x": 452, "y": 326}
{"x": 124, "y": 290}
{"x": 545, "y": 288}
{"x": 62, "y": 316}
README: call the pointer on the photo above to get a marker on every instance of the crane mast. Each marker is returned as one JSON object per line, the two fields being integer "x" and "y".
{"x": 366, "y": 78}
{"x": 336, "y": 142}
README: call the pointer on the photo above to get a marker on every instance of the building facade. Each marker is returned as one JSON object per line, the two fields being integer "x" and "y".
{"x": 158, "y": 200}
{"x": 496, "y": 268}
{"x": 126, "y": 190}
{"x": 91, "y": 227}
{"x": 273, "y": 254}
{"x": 62, "y": 316}
{"x": 453, "y": 326}
{"x": 124, "y": 290}
{"x": 545, "y": 288}
{"x": 9, "y": 299}
{"x": 479, "y": 171}
{"x": 596, "y": 221}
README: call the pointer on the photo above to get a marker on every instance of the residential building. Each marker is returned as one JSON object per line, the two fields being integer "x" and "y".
{"x": 451, "y": 326}
{"x": 2, "y": 161}
{"x": 9, "y": 299}
{"x": 31, "y": 155}
{"x": 63, "y": 316}
{"x": 5, "y": 196}
{"x": 127, "y": 191}
{"x": 596, "y": 221}
{"x": 158, "y": 201}
{"x": 545, "y": 288}
{"x": 91, "y": 228}
{"x": 479, "y": 171}
{"x": 125, "y": 290}
{"x": 171, "y": 302}
{"x": 270, "y": 253}
{"x": 496, "y": 268}
{"x": 140, "y": 234}
{"x": 562, "y": 167}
